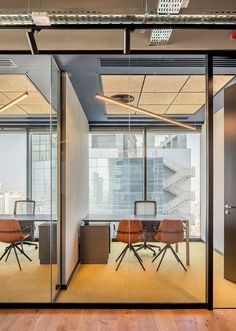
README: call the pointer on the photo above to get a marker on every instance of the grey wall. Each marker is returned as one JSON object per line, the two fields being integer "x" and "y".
{"x": 75, "y": 175}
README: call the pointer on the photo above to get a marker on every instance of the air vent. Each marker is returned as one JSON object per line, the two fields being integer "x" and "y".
{"x": 152, "y": 62}
{"x": 220, "y": 62}
{"x": 7, "y": 63}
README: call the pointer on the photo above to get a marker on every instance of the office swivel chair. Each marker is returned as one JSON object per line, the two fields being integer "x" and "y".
{"x": 11, "y": 233}
{"x": 145, "y": 208}
{"x": 169, "y": 232}
{"x": 25, "y": 207}
{"x": 129, "y": 232}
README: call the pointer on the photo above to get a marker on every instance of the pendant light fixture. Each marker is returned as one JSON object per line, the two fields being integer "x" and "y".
{"x": 145, "y": 112}
{"x": 13, "y": 102}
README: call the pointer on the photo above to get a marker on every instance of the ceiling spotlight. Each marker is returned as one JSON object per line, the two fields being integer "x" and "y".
{"x": 41, "y": 18}
{"x": 13, "y": 102}
{"x": 145, "y": 112}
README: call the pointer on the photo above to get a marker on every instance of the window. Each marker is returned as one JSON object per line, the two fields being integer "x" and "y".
{"x": 173, "y": 175}
{"x": 12, "y": 169}
{"x": 42, "y": 160}
{"x": 115, "y": 171}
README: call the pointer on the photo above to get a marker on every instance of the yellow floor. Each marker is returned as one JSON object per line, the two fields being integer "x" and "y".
{"x": 101, "y": 283}
{"x": 32, "y": 284}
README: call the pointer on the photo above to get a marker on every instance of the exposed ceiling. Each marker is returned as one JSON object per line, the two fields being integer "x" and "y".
{"x": 113, "y": 39}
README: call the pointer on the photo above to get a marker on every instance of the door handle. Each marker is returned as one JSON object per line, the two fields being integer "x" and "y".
{"x": 227, "y": 208}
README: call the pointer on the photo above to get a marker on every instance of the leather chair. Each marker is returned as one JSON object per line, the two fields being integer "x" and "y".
{"x": 129, "y": 232}
{"x": 169, "y": 232}
{"x": 11, "y": 233}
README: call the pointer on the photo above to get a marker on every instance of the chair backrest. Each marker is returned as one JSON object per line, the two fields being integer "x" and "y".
{"x": 130, "y": 231}
{"x": 10, "y": 231}
{"x": 170, "y": 231}
{"x": 24, "y": 207}
{"x": 145, "y": 208}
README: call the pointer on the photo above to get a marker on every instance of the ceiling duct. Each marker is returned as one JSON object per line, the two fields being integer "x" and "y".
{"x": 172, "y": 7}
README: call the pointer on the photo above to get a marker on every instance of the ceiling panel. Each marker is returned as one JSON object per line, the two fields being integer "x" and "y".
{"x": 219, "y": 81}
{"x": 164, "y": 83}
{"x": 13, "y": 110}
{"x": 37, "y": 109}
{"x": 157, "y": 109}
{"x": 13, "y": 86}
{"x": 190, "y": 99}
{"x": 122, "y": 83}
{"x": 15, "y": 83}
{"x": 157, "y": 98}
{"x": 118, "y": 110}
{"x": 195, "y": 83}
{"x": 183, "y": 109}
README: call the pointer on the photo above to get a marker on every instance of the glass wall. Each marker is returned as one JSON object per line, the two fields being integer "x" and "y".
{"x": 28, "y": 181}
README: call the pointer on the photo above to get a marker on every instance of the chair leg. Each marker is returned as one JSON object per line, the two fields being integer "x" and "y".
{"x": 22, "y": 252}
{"x": 9, "y": 251}
{"x": 138, "y": 257}
{"x": 30, "y": 244}
{"x": 122, "y": 256}
{"x": 6, "y": 250}
{"x": 122, "y": 253}
{"x": 16, "y": 256}
{"x": 165, "y": 249}
{"x": 177, "y": 258}
{"x": 159, "y": 253}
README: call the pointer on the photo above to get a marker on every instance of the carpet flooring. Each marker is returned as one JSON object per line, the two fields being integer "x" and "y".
{"x": 101, "y": 283}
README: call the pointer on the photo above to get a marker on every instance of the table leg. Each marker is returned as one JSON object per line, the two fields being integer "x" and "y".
{"x": 187, "y": 244}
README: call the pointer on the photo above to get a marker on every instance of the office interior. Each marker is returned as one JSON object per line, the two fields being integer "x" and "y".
{"x": 86, "y": 161}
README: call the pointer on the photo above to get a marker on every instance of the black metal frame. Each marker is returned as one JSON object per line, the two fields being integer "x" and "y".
{"x": 209, "y": 122}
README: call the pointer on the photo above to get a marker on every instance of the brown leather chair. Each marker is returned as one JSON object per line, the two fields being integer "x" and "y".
{"x": 129, "y": 232}
{"x": 169, "y": 232}
{"x": 11, "y": 233}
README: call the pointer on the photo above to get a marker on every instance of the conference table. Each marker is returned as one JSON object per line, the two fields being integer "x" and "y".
{"x": 155, "y": 219}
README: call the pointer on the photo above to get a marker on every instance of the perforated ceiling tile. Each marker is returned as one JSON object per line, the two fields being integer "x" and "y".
{"x": 126, "y": 83}
{"x": 219, "y": 81}
{"x": 164, "y": 83}
{"x": 34, "y": 98}
{"x": 190, "y": 99}
{"x": 13, "y": 110}
{"x": 157, "y": 98}
{"x": 195, "y": 83}
{"x": 183, "y": 109}
{"x": 37, "y": 109}
{"x": 157, "y": 109}
{"x": 118, "y": 110}
{"x": 15, "y": 83}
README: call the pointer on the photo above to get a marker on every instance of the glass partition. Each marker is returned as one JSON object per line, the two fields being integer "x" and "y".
{"x": 28, "y": 180}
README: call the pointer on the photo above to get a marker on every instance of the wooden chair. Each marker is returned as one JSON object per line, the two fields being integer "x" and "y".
{"x": 169, "y": 232}
{"x": 11, "y": 233}
{"x": 129, "y": 232}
